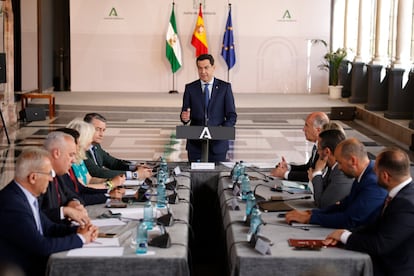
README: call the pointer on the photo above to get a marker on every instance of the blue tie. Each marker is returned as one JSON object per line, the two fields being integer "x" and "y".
{"x": 206, "y": 99}
{"x": 93, "y": 151}
{"x": 37, "y": 217}
{"x": 206, "y": 95}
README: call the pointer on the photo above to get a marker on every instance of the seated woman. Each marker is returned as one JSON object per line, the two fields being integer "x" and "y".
{"x": 86, "y": 132}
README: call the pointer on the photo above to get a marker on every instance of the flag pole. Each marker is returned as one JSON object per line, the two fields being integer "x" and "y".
{"x": 173, "y": 90}
{"x": 228, "y": 69}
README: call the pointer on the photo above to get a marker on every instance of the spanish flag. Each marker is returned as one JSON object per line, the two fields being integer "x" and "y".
{"x": 199, "y": 39}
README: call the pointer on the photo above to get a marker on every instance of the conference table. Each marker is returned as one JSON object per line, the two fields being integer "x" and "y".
{"x": 203, "y": 188}
{"x": 121, "y": 259}
{"x": 283, "y": 259}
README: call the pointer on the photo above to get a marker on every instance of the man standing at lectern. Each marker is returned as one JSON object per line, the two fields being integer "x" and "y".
{"x": 208, "y": 102}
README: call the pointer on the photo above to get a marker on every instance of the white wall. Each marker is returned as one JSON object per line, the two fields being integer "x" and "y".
{"x": 29, "y": 44}
{"x": 127, "y": 52}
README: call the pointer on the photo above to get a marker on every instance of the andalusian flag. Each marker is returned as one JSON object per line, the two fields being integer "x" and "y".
{"x": 199, "y": 39}
{"x": 173, "y": 47}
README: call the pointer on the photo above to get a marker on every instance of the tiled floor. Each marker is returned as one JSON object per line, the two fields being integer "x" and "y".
{"x": 264, "y": 132}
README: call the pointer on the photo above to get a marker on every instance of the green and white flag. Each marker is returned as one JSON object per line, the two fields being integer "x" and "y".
{"x": 173, "y": 47}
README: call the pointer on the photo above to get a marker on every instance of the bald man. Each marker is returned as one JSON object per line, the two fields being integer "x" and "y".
{"x": 364, "y": 203}
{"x": 313, "y": 126}
{"x": 390, "y": 240}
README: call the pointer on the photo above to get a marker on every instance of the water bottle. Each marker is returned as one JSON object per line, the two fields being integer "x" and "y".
{"x": 250, "y": 203}
{"x": 245, "y": 186}
{"x": 255, "y": 221}
{"x": 235, "y": 172}
{"x": 161, "y": 176}
{"x": 242, "y": 168}
{"x": 142, "y": 238}
{"x": 161, "y": 194}
{"x": 148, "y": 215}
{"x": 164, "y": 166}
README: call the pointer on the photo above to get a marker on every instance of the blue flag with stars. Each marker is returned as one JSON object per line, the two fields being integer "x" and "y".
{"x": 227, "y": 51}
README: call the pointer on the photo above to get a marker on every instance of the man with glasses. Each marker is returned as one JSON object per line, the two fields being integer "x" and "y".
{"x": 27, "y": 236}
{"x": 59, "y": 203}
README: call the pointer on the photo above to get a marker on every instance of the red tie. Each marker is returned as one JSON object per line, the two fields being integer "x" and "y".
{"x": 386, "y": 202}
{"x": 55, "y": 181}
{"x": 74, "y": 180}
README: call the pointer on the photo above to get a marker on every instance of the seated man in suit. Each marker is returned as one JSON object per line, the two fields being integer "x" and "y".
{"x": 88, "y": 194}
{"x": 312, "y": 128}
{"x": 390, "y": 239}
{"x": 27, "y": 236}
{"x": 363, "y": 204}
{"x": 103, "y": 165}
{"x": 329, "y": 183}
{"x": 59, "y": 203}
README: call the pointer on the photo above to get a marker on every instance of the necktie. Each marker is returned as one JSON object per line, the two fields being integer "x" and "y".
{"x": 206, "y": 95}
{"x": 37, "y": 216}
{"x": 206, "y": 101}
{"x": 386, "y": 202}
{"x": 55, "y": 182}
{"x": 326, "y": 177}
{"x": 314, "y": 150}
{"x": 93, "y": 151}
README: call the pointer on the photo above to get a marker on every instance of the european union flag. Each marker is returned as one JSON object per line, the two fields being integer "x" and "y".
{"x": 227, "y": 50}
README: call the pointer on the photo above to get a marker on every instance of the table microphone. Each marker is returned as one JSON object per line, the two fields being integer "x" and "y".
{"x": 258, "y": 197}
{"x": 267, "y": 177}
{"x": 289, "y": 199}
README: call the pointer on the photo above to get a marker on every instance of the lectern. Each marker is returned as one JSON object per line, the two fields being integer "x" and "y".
{"x": 205, "y": 133}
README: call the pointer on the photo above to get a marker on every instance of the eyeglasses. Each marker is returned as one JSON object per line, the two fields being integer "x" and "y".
{"x": 51, "y": 173}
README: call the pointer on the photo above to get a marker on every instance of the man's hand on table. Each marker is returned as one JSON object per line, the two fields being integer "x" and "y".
{"x": 298, "y": 216}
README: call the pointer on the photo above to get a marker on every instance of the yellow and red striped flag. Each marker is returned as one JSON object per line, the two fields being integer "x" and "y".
{"x": 199, "y": 39}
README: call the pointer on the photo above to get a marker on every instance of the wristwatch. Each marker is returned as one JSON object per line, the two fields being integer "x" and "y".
{"x": 109, "y": 185}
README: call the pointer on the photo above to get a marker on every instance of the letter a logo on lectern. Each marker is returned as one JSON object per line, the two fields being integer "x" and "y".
{"x": 205, "y": 134}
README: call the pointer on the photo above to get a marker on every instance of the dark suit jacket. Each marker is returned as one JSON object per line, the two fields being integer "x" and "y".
{"x": 331, "y": 188}
{"x": 221, "y": 112}
{"x": 390, "y": 240}
{"x": 20, "y": 241}
{"x": 89, "y": 196}
{"x": 300, "y": 172}
{"x": 49, "y": 202}
{"x": 107, "y": 167}
{"x": 362, "y": 206}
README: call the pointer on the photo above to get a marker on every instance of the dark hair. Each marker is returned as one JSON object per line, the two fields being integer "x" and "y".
{"x": 331, "y": 138}
{"x": 204, "y": 57}
{"x": 90, "y": 116}
{"x": 72, "y": 132}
